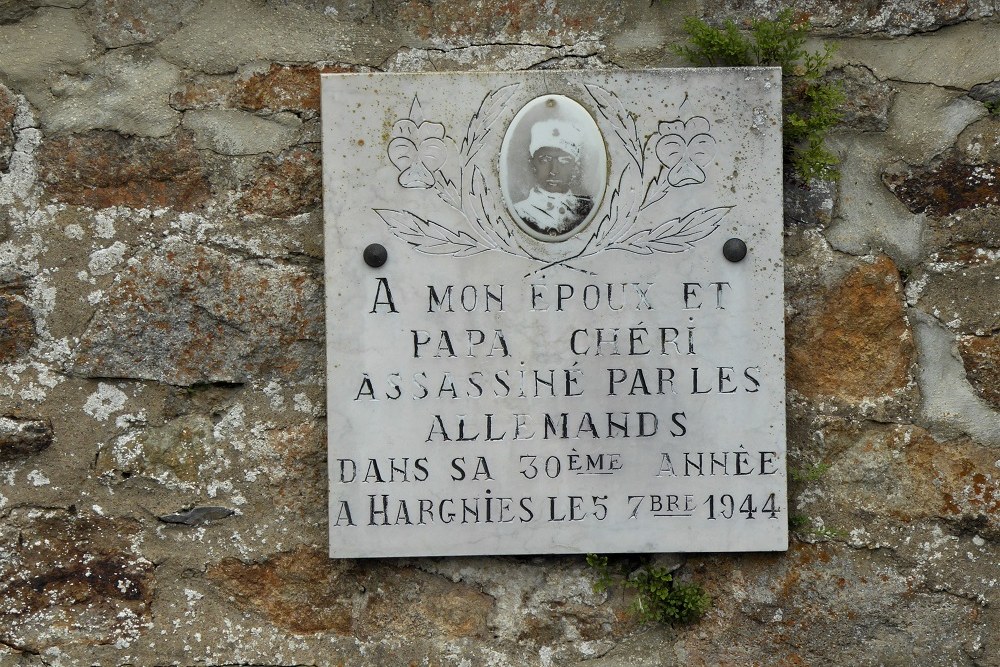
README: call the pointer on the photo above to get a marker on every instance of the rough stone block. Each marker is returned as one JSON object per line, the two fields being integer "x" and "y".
{"x": 68, "y": 578}
{"x": 184, "y": 314}
{"x": 966, "y": 237}
{"x": 460, "y": 23}
{"x": 857, "y": 345}
{"x": 893, "y": 17}
{"x": 222, "y": 35}
{"x": 283, "y": 88}
{"x": 102, "y": 169}
{"x": 231, "y": 132}
{"x": 20, "y": 438}
{"x": 964, "y": 297}
{"x": 866, "y": 99}
{"x": 8, "y": 108}
{"x": 286, "y": 185}
{"x": 947, "y": 186}
{"x": 305, "y": 592}
{"x": 17, "y": 327}
{"x": 981, "y": 357}
{"x": 127, "y": 22}
{"x": 122, "y": 91}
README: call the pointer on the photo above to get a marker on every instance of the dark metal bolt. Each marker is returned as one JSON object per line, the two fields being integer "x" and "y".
{"x": 376, "y": 255}
{"x": 734, "y": 250}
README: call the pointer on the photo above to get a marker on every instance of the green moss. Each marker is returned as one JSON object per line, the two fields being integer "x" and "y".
{"x": 659, "y": 597}
{"x": 811, "y": 105}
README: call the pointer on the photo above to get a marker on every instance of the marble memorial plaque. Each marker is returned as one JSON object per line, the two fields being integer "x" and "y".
{"x": 554, "y": 310}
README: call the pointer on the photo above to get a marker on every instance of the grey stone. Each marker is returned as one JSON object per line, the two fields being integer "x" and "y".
{"x": 959, "y": 56}
{"x": 197, "y": 515}
{"x": 926, "y": 120}
{"x": 964, "y": 297}
{"x": 986, "y": 92}
{"x": 221, "y": 35}
{"x": 122, "y": 91}
{"x": 812, "y": 204}
{"x": 34, "y": 49}
{"x": 868, "y": 218}
{"x": 20, "y": 438}
{"x": 949, "y": 404}
{"x": 12, "y": 11}
{"x": 183, "y": 314}
{"x": 127, "y": 22}
{"x": 891, "y": 17}
{"x": 866, "y": 99}
{"x": 231, "y": 132}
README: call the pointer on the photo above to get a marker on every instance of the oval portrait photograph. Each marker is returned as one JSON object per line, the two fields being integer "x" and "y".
{"x": 553, "y": 168}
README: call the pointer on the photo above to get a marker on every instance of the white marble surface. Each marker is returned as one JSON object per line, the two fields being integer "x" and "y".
{"x": 451, "y": 399}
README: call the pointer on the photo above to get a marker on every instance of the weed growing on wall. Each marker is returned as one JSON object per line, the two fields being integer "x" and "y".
{"x": 810, "y": 104}
{"x": 659, "y": 597}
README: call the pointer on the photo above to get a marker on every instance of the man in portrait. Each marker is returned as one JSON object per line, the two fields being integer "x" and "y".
{"x": 552, "y": 207}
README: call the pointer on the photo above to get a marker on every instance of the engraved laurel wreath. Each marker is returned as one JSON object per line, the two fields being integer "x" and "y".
{"x": 676, "y": 155}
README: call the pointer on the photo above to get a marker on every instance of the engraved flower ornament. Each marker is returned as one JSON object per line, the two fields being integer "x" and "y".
{"x": 685, "y": 148}
{"x": 418, "y": 148}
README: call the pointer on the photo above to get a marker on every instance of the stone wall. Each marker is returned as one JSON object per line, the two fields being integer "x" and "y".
{"x": 162, "y": 425}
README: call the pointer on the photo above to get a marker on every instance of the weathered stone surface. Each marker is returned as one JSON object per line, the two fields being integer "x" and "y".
{"x": 925, "y": 121}
{"x": 966, "y": 237}
{"x": 127, "y": 22}
{"x": 981, "y": 357}
{"x": 179, "y": 452}
{"x": 102, "y": 169}
{"x": 458, "y": 23}
{"x": 20, "y": 438}
{"x": 124, "y": 91}
{"x": 809, "y": 204}
{"x": 282, "y": 88}
{"x": 857, "y": 345}
{"x": 946, "y": 186}
{"x": 17, "y": 327}
{"x": 183, "y": 314}
{"x": 964, "y": 297}
{"x": 305, "y": 592}
{"x": 825, "y": 604}
{"x": 197, "y": 515}
{"x": 950, "y": 407}
{"x": 959, "y": 56}
{"x": 288, "y": 184}
{"x": 67, "y": 578}
{"x": 986, "y": 92}
{"x": 866, "y": 99}
{"x": 203, "y": 92}
{"x": 902, "y": 473}
{"x": 851, "y": 17}
{"x": 230, "y": 132}
{"x": 45, "y": 42}
{"x": 8, "y": 107}
{"x": 12, "y": 11}
{"x": 868, "y": 219}
{"x": 980, "y": 142}
{"x": 222, "y": 35}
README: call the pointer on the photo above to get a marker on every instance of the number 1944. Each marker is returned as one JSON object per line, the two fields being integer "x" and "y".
{"x": 724, "y": 507}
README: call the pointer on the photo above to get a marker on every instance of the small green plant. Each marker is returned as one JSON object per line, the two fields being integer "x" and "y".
{"x": 811, "y": 474}
{"x": 811, "y": 105}
{"x": 993, "y": 107}
{"x": 659, "y": 597}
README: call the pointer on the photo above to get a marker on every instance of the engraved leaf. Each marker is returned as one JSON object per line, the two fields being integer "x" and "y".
{"x": 677, "y": 234}
{"x": 621, "y": 121}
{"x": 621, "y": 214}
{"x": 416, "y": 113}
{"x": 489, "y": 111}
{"x": 428, "y": 236}
{"x": 494, "y": 227}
